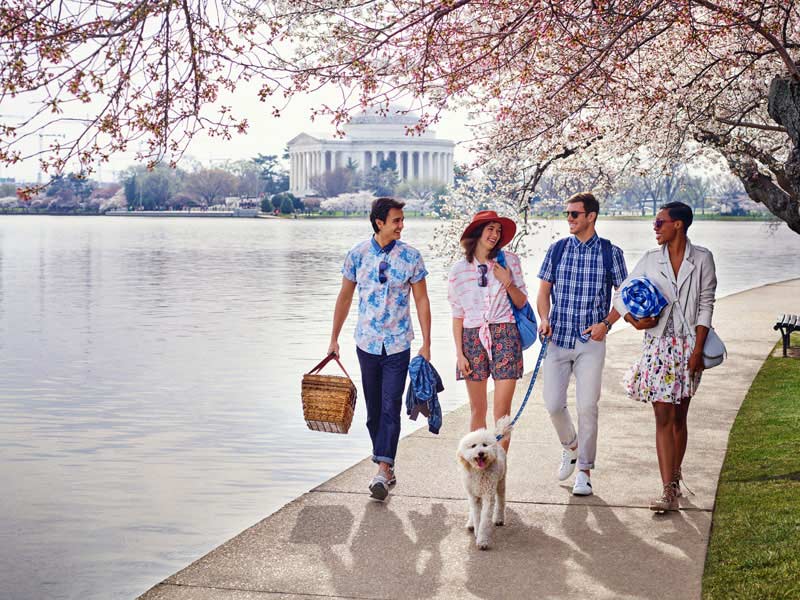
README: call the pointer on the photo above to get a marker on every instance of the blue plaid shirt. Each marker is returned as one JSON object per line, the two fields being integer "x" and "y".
{"x": 579, "y": 288}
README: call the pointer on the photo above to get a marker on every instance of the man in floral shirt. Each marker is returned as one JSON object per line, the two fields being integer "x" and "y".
{"x": 386, "y": 272}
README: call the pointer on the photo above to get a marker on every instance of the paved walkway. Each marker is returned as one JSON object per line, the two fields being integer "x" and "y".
{"x": 333, "y": 542}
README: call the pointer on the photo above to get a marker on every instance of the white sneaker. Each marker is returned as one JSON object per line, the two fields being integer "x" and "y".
{"x": 568, "y": 460}
{"x": 583, "y": 485}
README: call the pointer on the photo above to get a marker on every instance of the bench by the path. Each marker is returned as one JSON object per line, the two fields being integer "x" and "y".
{"x": 787, "y": 324}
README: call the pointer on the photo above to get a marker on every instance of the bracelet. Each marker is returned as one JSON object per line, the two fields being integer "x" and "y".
{"x": 607, "y": 324}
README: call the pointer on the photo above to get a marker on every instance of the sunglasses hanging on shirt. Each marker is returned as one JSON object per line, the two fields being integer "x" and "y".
{"x": 483, "y": 281}
{"x": 382, "y": 271}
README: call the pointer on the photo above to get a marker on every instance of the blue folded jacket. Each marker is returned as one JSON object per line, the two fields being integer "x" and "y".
{"x": 423, "y": 393}
{"x": 642, "y": 298}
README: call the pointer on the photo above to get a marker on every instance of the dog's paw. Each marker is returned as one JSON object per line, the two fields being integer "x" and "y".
{"x": 470, "y": 526}
{"x": 499, "y": 522}
{"x": 483, "y": 544}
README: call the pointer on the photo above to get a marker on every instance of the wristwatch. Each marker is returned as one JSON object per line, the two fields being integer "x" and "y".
{"x": 607, "y": 324}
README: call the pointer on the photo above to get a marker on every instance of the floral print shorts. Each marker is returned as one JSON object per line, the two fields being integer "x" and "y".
{"x": 662, "y": 373}
{"x": 506, "y": 360}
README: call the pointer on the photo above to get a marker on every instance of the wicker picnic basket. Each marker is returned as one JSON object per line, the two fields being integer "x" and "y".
{"x": 328, "y": 400}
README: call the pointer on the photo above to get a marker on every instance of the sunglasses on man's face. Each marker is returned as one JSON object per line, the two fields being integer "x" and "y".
{"x": 484, "y": 280}
{"x": 573, "y": 213}
{"x": 658, "y": 223}
{"x": 381, "y": 271}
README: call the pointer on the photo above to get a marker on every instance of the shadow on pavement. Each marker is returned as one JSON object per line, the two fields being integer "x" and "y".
{"x": 398, "y": 566}
{"x": 626, "y": 562}
{"x": 524, "y": 562}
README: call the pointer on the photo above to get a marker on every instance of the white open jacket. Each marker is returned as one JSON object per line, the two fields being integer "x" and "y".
{"x": 696, "y": 283}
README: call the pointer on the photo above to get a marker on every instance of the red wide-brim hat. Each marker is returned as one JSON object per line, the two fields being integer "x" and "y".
{"x": 489, "y": 216}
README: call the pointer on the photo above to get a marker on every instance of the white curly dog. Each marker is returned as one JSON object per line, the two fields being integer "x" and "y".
{"x": 483, "y": 472}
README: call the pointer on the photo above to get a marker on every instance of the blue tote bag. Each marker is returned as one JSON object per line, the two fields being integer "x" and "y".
{"x": 525, "y": 317}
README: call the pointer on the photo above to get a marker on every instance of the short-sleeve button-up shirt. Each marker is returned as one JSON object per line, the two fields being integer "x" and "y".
{"x": 384, "y": 313}
{"x": 579, "y": 290}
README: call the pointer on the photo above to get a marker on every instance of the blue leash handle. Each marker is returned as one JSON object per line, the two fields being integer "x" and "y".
{"x": 542, "y": 354}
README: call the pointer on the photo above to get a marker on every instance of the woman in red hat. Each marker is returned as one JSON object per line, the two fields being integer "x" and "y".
{"x": 486, "y": 335}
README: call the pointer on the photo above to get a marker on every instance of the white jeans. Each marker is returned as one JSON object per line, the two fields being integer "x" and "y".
{"x": 586, "y": 360}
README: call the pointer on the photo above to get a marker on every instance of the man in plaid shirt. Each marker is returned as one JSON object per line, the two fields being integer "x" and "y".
{"x": 586, "y": 267}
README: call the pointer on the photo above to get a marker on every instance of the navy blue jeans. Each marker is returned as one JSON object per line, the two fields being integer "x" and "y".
{"x": 383, "y": 378}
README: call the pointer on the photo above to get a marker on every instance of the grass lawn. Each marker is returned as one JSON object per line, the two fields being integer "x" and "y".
{"x": 754, "y": 550}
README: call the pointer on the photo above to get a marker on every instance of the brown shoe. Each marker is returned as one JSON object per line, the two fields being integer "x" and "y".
{"x": 666, "y": 502}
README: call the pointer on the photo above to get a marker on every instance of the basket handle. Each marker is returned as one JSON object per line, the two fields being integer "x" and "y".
{"x": 325, "y": 361}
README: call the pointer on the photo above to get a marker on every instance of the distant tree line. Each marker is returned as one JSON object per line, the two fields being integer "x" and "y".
{"x": 262, "y": 181}
{"x": 72, "y": 193}
{"x": 643, "y": 193}
{"x": 164, "y": 188}
{"x": 254, "y": 181}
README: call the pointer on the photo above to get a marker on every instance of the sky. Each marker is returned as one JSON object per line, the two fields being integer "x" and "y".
{"x": 266, "y": 135}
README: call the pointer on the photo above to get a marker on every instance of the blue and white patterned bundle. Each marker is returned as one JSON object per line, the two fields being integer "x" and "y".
{"x": 642, "y": 298}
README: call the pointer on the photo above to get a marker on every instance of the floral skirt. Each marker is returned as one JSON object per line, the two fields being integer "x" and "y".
{"x": 662, "y": 373}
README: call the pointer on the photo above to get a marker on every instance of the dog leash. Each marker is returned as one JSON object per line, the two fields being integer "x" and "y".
{"x": 542, "y": 354}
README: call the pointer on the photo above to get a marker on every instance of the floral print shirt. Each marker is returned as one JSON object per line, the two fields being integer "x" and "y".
{"x": 384, "y": 315}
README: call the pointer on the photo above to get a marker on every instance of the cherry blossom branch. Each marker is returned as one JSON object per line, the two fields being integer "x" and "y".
{"x": 741, "y": 123}
{"x": 758, "y": 28}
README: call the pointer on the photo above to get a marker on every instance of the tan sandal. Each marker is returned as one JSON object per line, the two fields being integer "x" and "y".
{"x": 677, "y": 480}
{"x": 666, "y": 502}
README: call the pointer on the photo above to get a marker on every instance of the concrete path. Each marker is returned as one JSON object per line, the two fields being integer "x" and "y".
{"x": 334, "y": 542}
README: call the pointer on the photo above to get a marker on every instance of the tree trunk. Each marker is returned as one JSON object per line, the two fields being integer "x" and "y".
{"x": 762, "y": 189}
{"x": 783, "y": 201}
{"x": 778, "y": 192}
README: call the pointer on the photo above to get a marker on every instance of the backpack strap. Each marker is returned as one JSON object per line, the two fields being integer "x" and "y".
{"x": 608, "y": 265}
{"x": 606, "y": 250}
{"x": 555, "y": 257}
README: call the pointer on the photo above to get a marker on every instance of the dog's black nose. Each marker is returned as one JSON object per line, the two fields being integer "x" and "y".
{"x": 481, "y": 455}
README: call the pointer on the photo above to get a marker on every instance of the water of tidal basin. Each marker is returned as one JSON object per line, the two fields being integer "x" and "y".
{"x": 150, "y": 406}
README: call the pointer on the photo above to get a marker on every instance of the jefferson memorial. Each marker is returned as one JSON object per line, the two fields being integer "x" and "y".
{"x": 370, "y": 138}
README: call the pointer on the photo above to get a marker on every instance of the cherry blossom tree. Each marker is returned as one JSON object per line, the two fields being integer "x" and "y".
{"x": 147, "y": 72}
{"x": 586, "y": 84}
{"x": 491, "y": 189}
{"x": 354, "y": 202}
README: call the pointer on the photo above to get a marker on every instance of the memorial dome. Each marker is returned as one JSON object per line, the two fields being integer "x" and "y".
{"x": 394, "y": 115}
{"x": 371, "y": 137}
{"x": 392, "y": 122}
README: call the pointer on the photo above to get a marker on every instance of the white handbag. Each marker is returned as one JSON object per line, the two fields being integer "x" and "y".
{"x": 714, "y": 351}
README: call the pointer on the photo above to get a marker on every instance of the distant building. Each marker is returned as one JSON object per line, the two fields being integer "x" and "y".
{"x": 369, "y": 139}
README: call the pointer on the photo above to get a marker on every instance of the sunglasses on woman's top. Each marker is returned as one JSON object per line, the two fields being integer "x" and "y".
{"x": 484, "y": 280}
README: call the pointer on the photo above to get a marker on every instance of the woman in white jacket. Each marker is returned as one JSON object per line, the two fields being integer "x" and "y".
{"x": 668, "y": 372}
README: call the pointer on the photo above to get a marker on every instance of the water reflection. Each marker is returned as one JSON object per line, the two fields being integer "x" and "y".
{"x": 151, "y": 380}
